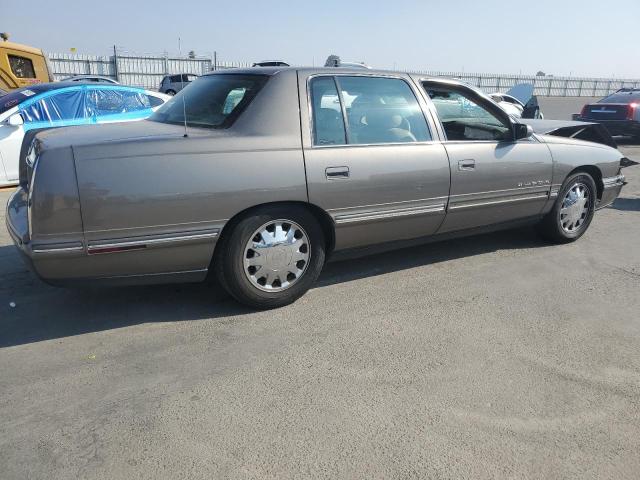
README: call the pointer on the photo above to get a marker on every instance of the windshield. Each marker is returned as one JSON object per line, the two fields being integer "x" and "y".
{"x": 211, "y": 101}
{"x": 16, "y": 97}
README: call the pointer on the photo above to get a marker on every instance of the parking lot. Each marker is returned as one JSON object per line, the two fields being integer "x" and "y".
{"x": 491, "y": 356}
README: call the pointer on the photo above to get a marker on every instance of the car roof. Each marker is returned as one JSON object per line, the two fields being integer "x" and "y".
{"x": 326, "y": 70}
{"x": 88, "y": 75}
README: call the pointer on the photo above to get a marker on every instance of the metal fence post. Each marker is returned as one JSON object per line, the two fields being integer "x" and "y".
{"x": 115, "y": 64}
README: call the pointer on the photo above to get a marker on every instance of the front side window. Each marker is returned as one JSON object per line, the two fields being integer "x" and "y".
{"x": 211, "y": 101}
{"x": 464, "y": 119}
{"x": 63, "y": 106}
{"x": 377, "y": 110}
{"x": 21, "y": 67}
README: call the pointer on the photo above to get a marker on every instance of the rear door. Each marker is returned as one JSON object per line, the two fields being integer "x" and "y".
{"x": 494, "y": 179}
{"x": 371, "y": 159}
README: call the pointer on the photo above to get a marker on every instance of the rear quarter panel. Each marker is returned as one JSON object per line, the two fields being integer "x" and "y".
{"x": 173, "y": 186}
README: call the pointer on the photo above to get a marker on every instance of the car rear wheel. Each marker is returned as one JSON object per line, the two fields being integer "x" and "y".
{"x": 573, "y": 210}
{"x": 170, "y": 92}
{"x": 271, "y": 257}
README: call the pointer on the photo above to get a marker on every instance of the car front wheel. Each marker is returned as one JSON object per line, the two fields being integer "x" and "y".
{"x": 271, "y": 257}
{"x": 573, "y": 210}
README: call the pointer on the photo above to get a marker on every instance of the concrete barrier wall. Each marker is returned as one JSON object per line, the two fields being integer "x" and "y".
{"x": 561, "y": 108}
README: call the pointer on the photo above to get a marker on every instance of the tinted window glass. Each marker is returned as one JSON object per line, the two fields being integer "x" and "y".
{"x": 21, "y": 67}
{"x": 154, "y": 101}
{"x": 208, "y": 100}
{"x": 328, "y": 123}
{"x": 622, "y": 97}
{"x": 381, "y": 110}
{"x": 464, "y": 119}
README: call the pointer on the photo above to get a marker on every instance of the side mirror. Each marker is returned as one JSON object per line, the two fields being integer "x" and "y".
{"x": 15, "y": 120}
{"x": 523, "y": 131}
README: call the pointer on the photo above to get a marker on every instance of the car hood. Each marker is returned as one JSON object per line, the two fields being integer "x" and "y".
{"x": 582, "y": 131}
{"x": 522, "y": 92}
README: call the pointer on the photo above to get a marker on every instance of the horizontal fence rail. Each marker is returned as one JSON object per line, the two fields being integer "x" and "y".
{"x": 147, "y": 72}
{"x": 548, "y": 85}
{"x": 140, "y": 71}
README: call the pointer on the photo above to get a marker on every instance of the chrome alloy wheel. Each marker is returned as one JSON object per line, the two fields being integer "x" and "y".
{"x": 276, "y": 255}
{"x": 575, "y": 208}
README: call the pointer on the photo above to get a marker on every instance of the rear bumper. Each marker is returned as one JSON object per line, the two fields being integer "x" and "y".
{"x": 611, "y": 190}
{"x": 17, "y": 221}
{"x": 616, "y": 127}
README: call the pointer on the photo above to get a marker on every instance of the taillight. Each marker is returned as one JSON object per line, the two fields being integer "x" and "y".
{"x": 585, "y": 111}
{"x": 631, "y": 111}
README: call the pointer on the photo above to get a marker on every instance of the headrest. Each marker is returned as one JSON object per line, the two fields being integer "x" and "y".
{"x": 383, "y": 118}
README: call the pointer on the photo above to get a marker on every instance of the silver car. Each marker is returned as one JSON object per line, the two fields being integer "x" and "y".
{"x": 172, "y": 84}
{"x": 274, "y": 169}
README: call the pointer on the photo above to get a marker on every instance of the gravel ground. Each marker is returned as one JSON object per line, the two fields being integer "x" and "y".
{"x": 496, "y": 356}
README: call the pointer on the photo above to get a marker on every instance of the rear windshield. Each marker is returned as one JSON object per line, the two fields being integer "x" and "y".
{"x": 16, "y": 97}
{"x": 211, "y": 101}
{"x": 622, "y": 97}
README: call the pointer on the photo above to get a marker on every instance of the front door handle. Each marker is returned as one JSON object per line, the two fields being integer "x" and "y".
{"x": 466, "y": 165}
{"x": 333, "y": 173}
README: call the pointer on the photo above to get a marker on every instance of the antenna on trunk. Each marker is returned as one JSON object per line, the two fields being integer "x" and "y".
{"x": 184, "y": 106}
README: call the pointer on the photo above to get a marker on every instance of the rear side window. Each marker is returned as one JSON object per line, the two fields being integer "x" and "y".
{"x": 378, "y": 111}
{"x": 211, "y": 101}
{"x": 328, "y": 123}
{"x": 381, "y": 110}
{"x": 154, "y": 101}
{"x": 21, "y": 67}
{"x": 103, "y": 102}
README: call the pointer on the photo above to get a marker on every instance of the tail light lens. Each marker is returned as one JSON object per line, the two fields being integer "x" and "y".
{"x": 631, "y": 111}
{"x": 585, "y": 111}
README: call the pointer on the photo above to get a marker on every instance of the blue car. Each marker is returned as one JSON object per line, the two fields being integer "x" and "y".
{"x": 61, "y": 104}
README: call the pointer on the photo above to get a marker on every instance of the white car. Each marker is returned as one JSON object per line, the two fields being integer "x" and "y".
{"x": 519, "y": 101}
{"x": 61, "y": 104}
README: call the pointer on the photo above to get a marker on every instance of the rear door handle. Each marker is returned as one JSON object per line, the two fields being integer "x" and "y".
{"x": 333, "y": 173}
{"x": 468, "y": 164}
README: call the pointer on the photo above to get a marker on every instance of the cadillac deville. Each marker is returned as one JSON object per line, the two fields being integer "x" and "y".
{"x": 258, "y": 175}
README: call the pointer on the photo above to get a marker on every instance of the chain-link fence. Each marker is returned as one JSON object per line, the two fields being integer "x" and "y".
{"x": 147, "y": 71}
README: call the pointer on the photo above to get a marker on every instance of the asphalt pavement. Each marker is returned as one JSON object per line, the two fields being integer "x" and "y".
{"x": 497, "y": 356}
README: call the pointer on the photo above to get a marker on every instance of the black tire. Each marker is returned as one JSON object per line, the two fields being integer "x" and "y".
{"x": 551, "y": 226}
{"x": 230, "y": 254}
{"x": 170, "y": 92}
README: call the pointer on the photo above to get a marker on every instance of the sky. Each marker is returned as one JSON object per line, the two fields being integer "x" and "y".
{"x": 560, "y": 37}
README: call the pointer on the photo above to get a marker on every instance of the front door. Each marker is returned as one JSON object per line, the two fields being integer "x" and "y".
{"x": 370, "y": 158}
{"x": 494, "y": 179}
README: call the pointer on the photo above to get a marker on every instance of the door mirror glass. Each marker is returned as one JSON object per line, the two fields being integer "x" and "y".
{"x": 15, "y": 120}
{"x": 523, "y": 131}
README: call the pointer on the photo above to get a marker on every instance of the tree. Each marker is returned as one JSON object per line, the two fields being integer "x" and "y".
{"x": 191, "y": 54}
{"x": 541, "y": 74}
